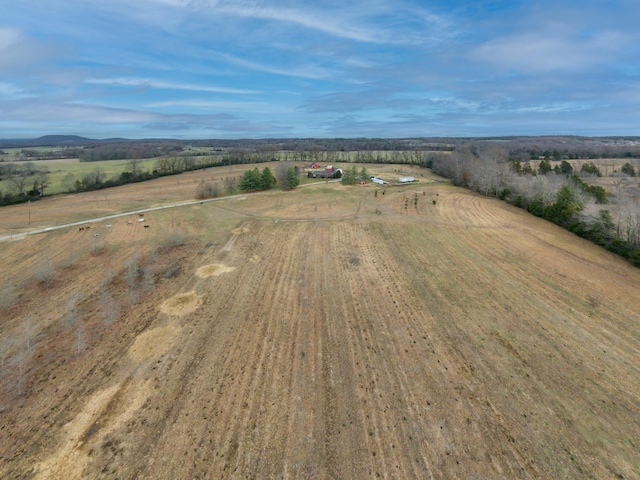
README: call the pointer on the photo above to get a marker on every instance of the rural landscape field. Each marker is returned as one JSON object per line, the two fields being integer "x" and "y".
{"x": 331, "y": 331}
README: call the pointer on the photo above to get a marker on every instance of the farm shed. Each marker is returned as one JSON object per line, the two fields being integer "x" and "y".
{"x": 406, "y": 179}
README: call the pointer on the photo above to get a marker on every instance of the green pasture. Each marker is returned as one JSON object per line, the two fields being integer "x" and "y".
{"x": 15, "y": 152}
{"x": 112, "y": 168}
{"x": 58, "y": 169}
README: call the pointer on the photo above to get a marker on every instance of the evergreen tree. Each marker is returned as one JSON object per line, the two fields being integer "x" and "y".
{"x": 292, "y": 179}
{"x": 628, "y": 169}
{"x": 251, "y": 181}
{"x": 349, "y": 176}
{"x": 544, "y": 167}
{"x": 590, "y": 169}
{"x": 566, "y": 168}
{"x": 268, "y": 180}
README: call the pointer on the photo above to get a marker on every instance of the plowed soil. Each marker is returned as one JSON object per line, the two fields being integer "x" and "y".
{"x": 327, "y": 332}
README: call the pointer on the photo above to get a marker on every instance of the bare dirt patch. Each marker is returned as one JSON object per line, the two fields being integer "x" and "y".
{"x": 69, "y": 461}
{"x": 213, "y": 270}
{"x": 255, "y": 258}
{"x": 154, "y": 343}
{"x": 106, "y": 411}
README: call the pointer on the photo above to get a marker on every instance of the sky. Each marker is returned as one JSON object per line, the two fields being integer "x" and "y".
{"x": 197, "y": 69}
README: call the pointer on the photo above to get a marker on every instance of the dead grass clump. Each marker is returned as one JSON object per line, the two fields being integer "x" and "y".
{"x": 173, "y": 270}
{"x": 175, "y": 238}
{"x": 181, "y": 304}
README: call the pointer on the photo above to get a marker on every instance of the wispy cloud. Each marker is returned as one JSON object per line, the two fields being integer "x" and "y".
{"x": 264, "y": 107}
{"x": 324, "y": 22}
{"x": 11, "y": 91}
{"x": 311, "y": 71}
{"x": 151, "y": 83}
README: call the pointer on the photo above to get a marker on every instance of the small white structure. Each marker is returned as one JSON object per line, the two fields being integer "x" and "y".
{"x": 379, "y": 181}
{"x": 406, "y": 179}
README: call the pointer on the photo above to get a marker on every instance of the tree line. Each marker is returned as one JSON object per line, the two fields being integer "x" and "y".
{"x": 563, "y": 197}
{"x": 25, "y": 182}
{"x": 253, "y": 180}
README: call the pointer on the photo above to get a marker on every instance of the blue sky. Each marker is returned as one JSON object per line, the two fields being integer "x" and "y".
{"x": 301, "y": 68}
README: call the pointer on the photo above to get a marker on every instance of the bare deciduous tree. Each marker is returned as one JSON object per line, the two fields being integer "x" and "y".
{"x": 148, "y": 278}
{"x": 4, "y": 351}
{"x": 133, "y": 164}
{"x": 109, "y": 309}
{"x": 281, "y": 173}
{"x": 207, "y": 190}
{"x": 71, "y": 258}
{"x": 7, "y": 297}
{"x": 29, "y": 331}
{"x": 71, "y": 313}
{"x": 80, "y": 339}
{"x": 20, "y": 362}
{"x": 45, "y": 272}
{"x": 132, "y": 273}
{"x": 230, "y": 185}
{"x": 68, "y": 181}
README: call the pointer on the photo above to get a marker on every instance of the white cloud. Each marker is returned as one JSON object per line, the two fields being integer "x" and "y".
{"x": 18, "y": 50}
{"x": 543, "y": 51}
{"x": 9, "y": 36}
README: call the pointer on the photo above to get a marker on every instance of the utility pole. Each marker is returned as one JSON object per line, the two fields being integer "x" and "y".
{"x": 29, "y": 203}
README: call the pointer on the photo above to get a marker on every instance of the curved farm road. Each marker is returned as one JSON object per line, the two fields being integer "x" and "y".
{"x": 17, "y": 236}
{"x": 463, "y": 339}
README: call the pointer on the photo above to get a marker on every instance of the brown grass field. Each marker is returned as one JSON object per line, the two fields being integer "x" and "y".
{"x": 326, "y": 332}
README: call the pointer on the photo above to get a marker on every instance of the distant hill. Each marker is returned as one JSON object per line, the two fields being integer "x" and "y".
{"x": 55, "y": 141}
{"x": 61, "y": 140}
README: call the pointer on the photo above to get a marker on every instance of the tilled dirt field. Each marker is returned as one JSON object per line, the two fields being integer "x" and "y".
{"x": 426, "y": 332}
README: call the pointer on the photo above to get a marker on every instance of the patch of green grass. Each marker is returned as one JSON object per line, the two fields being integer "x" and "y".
{"x": 60, "y": 168}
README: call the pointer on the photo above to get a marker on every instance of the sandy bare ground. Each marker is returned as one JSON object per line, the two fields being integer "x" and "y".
{"x": 404, "y": 339}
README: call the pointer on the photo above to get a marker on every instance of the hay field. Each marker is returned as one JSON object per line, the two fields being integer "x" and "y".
{"x": 328, "y": 332}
